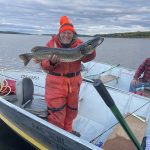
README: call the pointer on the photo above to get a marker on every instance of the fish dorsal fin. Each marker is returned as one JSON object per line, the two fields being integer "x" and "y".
{"x": 38, "y": 48}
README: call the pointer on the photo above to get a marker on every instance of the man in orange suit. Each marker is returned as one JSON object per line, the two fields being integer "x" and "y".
{"x": 63, "y": 79}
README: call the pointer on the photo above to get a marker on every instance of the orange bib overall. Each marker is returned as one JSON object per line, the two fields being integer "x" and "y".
{"x": 62, "y": 88}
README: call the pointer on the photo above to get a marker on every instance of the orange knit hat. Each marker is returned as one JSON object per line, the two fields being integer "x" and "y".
{"x": 65, "y": 24}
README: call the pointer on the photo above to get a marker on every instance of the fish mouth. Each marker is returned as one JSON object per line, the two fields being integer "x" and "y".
{"x": 96, "y": 41}
{"x": 90, "y": 45}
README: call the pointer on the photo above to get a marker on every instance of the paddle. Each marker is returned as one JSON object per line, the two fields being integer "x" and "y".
{"x": 99, "y": 86}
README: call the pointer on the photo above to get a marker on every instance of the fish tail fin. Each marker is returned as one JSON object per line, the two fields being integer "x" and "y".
{"x": 26, "y": 58}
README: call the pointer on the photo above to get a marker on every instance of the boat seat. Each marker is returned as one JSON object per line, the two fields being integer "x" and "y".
{"x": 108, "y": 78}
{"x": 24, "y": 92}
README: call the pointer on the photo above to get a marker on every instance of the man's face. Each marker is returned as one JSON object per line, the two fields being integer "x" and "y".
{"x": 66, "y": 36}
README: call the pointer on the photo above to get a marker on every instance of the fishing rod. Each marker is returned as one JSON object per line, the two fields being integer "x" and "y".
{"x": 102, "y": 71}
{"x": 109, "y": 69}
{"x": 101, "y": 89}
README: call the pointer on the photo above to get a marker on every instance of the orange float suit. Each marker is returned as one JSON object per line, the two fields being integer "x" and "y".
{"x": 63, "y": 83}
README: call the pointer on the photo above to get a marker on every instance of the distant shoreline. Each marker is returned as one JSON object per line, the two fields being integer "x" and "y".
{"x": 139, "y": 34}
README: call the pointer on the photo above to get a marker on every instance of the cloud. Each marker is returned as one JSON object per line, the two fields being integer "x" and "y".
{"x": 91, "y": 16}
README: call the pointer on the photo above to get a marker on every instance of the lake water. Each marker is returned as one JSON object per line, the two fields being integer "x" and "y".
{"x": 11, "y": 141}
{"x": 128, "y": 52}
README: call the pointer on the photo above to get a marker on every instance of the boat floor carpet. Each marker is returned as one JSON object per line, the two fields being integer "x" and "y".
{"x": 118, "y": 139}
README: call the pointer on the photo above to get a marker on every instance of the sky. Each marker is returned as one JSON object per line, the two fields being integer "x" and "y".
{"x": 88, "y": 16}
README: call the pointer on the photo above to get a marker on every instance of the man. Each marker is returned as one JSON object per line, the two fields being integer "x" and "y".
{"x": 141, "y": 77}
{"x": 63, "y": 79}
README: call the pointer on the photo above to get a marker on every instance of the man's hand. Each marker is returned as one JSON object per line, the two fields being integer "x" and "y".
{"x": 54, "y": 59}
{"x": 134, "y": 81}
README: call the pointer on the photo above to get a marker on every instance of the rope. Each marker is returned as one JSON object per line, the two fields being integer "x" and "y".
{"x": 5, "y": 87}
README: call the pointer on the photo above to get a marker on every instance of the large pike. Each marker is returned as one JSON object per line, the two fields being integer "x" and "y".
{"x": 65, "y": 54}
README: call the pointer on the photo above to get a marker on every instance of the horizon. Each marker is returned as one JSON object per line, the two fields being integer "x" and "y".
{"x": 15, "y": 32}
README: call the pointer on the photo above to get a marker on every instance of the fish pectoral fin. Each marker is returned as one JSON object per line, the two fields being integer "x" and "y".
{"x": 26, "y": 58}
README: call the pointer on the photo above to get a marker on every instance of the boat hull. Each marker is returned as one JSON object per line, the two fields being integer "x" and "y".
{"x": 38, "y": 132}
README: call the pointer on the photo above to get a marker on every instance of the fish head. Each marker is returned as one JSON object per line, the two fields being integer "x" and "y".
{"x": 89, "y": 46}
